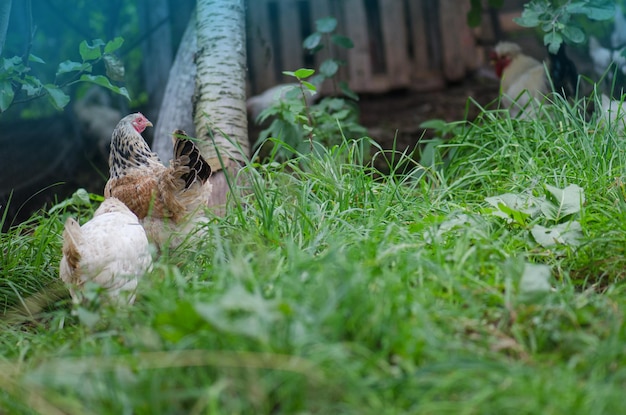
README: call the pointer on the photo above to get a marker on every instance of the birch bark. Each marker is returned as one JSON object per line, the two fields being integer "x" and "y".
{"x": 208, "y": 80}
{"x": 220, "y": 96}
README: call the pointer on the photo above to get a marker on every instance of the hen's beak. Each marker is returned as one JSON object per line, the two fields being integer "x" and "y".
{"x": 493, "y": 57}
{"x": 149, "y": 124}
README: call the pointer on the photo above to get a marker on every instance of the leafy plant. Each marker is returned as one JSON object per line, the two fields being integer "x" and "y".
{"x": 557, "y": 19}
{"x": 429, "y": 153}
{"x": 322, "y": 38}
{"x": 557, "y": 207}
{"x": 297, "y": 124}
{"x": 18, "y": 84}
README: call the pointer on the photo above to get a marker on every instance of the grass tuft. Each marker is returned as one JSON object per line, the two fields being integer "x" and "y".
{"x": 333, "y": 288}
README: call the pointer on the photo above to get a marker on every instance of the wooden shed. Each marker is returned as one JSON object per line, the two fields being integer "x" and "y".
{"x": 419, "y": 44}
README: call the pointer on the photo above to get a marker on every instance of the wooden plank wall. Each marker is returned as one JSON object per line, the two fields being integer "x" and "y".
{"x": 419, "y": 44}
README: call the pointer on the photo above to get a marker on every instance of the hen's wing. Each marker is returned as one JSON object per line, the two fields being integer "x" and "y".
{"x": 139, "y": 190}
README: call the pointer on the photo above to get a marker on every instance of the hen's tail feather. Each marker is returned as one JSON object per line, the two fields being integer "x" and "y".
{"x": 187, "y": 153}
{"x": 72, "y": 238}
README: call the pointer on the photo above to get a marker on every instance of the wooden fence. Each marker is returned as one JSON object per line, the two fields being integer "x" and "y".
{"x": 417, "y": 44}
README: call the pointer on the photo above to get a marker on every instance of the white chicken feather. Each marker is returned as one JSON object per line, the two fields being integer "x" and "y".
{"x": 111, "y": 250}
{"x": 603, "y": 57}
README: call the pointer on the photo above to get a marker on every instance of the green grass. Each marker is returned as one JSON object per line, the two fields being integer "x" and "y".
{"x": 336, "y": 290}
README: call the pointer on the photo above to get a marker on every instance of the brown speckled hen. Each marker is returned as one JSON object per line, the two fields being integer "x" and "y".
{"x": 167, "y": 200}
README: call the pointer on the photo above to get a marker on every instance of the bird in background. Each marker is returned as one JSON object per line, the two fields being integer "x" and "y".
{"x": 111, "y": 250}
{"x": 168, "y": 200}
{"x": 523, "y": 79}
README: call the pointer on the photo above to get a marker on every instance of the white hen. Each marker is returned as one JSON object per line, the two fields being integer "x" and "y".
{"x": 523, "y": 80}
{"x": 110, "y": 250}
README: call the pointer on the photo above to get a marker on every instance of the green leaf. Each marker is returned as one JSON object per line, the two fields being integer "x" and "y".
{"x": 81, "y": 197}
{"x": 114, "y": 67}
{"x": 528, "y": 19}
{"x": 329, "y": 68}
{"x": 104, "y": 82}
{"x": 176, "y": 324}
{"x": 514, "y": 207}
{"x": 570, "y": 233}
{"x": 312, "y": 41}
{"x": 594, "y": 10}
{"x": 512, "y": 215}
{"x": 309, "y": 86}
{"x": 36, "y": 59}
{"x": 6, "y": 95}
{"x": 553, "y": 41}
{"x": 342, "y": 115}
{"x": 475, "y": 14}
{"x": 345, "y": 89}
{"x": 318, "y": 79}
{"x": 290, "y": 93}
{"x": 30, "y": 90}
{"x": 58, "y": 98}
{"x": 573, "y": 33}
{"x": 563, "y": 202}
{"x": 430, "y": 154}
{"x": 548, "y": 27}
{"x": 31, "y": 85}
{"x": 113, "y": 45}
{"x": 326, "y": 24}
{"x": 342, "y": 41}
{"x": 303, "y": 73}
{"x": 240, "y": 312}
{"x": 90, "y": 52}
{"x": 474, "y": 17}
{"x": 70, "y": 66}
{"x": 335, "y": 104}
{"x": 13, "y": 65}
{"x": 535, "y": 278}
{"x": 87, "y": 317}
{"x": 435, "y": 124}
